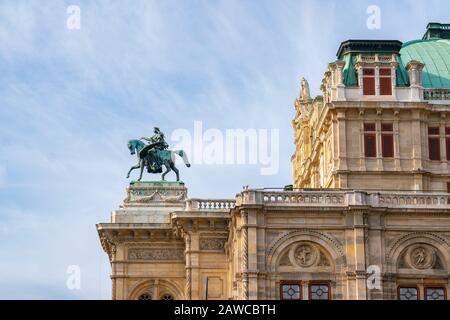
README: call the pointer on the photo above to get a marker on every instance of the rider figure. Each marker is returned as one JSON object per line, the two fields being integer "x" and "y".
{"x": 151, "y": 151}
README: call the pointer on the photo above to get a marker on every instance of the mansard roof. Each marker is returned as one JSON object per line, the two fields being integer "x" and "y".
{"x": 433, "y": 50}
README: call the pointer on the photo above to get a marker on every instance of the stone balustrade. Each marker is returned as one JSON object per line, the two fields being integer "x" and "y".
{"x": 326, "y": 198}
{"x": 436, "y": 94}
{"x": 210, "y": 204}
{"x": 345, "y": 198}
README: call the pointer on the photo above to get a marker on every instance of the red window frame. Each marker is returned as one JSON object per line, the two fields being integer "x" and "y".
{"x": 387, "y": 140}
{"x": 370, "y": 140}
{"x": 408, "y": 287}
{"x": 385, "y": 82}
{"x": 434, "y": 287}
{"x": 447, "y": 142}
{"x": 369, "y": 81}
{"x": 434, "y": 144}
{"x": 448, "y": 191}
{"x": 319, "y": 283}
{"x": 296, "y": 283}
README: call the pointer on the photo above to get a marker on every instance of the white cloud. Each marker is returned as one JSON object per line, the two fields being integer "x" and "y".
{"x": 69, "y": 101}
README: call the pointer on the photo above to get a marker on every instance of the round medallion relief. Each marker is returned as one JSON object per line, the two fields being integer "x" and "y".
{"x": 305, "y": 255}
{"x": 421, "y": 256}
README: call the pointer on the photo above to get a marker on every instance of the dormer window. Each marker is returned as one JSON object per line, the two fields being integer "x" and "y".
{"x": 369, "y": 81}
{"x": 385, "y": 82}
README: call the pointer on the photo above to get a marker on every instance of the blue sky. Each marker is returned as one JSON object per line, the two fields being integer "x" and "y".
{"x": 70, "y": 100}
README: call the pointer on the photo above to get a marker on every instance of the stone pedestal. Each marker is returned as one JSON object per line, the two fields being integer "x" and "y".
{"x": 150, "y": 202}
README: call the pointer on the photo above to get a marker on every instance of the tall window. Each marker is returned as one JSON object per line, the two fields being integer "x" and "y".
{"x": 447, "y": 142}
{"x": 370, "y": 144}
{"x": 291, "y": 291}
{"x": 448, "y": 191}
{"x": 408, "y": 293}
{"x": 369, "y": 82}
{"x": 435, "y": 293}
{"x": 434, "y": 148}
{"x": 319, "y": 291}
{"x": 385, "y": 82}
{"x": 387, "y": 140}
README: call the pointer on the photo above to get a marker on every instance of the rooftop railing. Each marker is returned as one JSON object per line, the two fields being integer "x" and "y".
{"x": 333, "y": 198}
{"x": 345, "y": 198}
{"x": 210, "y": 204}
{"x": 436, "y": 94}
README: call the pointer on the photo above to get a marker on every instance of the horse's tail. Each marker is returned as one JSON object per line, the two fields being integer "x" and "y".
{"x": 183, "y": 155}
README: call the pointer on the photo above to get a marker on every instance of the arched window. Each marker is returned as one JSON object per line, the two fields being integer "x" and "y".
{"x": 167, "y": 296}
{"x": 145, "y": 296}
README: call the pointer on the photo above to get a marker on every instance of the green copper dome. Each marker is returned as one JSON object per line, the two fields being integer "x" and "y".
{"x": 435, "y": 54}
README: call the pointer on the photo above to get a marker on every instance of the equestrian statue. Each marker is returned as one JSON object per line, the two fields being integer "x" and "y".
{"x": 154, "y": 155}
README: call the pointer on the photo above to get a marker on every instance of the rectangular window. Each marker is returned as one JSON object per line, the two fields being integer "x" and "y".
{"x": 433, "y": 130}
{"x": 387, "y": 140}
{"x": 435, "y": 293}
{"x": 448, "y": 191}
{"x": 447, "y": 142}
{"x": 408, "y": 293}
{"x": 370, "y": 144}
{"x": 434, "y": 148}
{"x": 385, "y": 82}
{"x": 369, "y": 82}
{"x": 319, "y": 291}
{"x": 290, "y": 291}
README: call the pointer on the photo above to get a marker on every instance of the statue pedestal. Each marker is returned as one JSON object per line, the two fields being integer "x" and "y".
{"x": 150, "y": 202}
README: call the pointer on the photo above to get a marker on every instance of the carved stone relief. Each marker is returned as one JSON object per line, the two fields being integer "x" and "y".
{"x": 212, "y": 244}
{"x": 305, "y": 255}
{"x": 155, "y": 254}
{"x": 420, "y": 256}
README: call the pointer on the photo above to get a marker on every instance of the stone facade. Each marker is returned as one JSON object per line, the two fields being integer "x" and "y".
{"x": 367, "y": 216}
{"x": 249, "y": 247}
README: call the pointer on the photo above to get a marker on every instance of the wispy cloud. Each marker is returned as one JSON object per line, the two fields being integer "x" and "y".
{"x": 70, "y": 99}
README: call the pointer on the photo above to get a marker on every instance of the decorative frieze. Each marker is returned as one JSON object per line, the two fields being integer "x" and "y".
{"x": 154, "y": 192}
{"x": 212, "y": 244}
{"x": 155, "y": 254}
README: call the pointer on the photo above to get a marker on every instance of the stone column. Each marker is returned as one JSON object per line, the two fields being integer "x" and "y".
{"x": 194, "y": 263}
{"x": 377, "y": 79}
{"x": 188, "y": 287}
{"x": 442, "y": 139}
{"x": 360, "y": 255}
{"x": 396, "y": 133}
{"x": 252, "y": 255}
{"x": 418, "y": 136}
{"x": 414, "y": 69}
{"x": 340, "y": 87}
{"x": 342, "y": 141}
{"x": 379, "y": 150}
{"x": 244, "y": 266}
{"x": 362, "y": 156}
{"x": 394, "y": 66}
